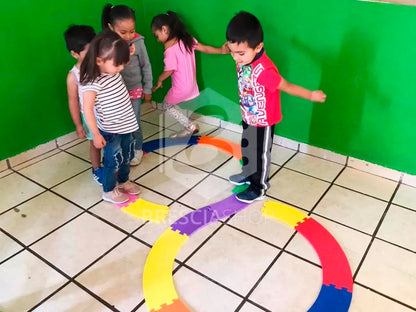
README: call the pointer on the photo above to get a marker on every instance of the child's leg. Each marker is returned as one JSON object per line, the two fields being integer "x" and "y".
{"x": 174, "y": 112}
{"x": 138, "y": 134}
{"x": 95, "y": 156}
{"x": 127, "y": 152}
{"x": 112, "y": 159}
{"x": 263, "y": 143}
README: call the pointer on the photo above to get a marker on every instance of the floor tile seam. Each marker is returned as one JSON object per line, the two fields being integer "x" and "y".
{"x": 89, "y": 292}
{"x": 26, "y": 164}
{"x": 282, "y": 165}
{"x": 22, "y": 203}
{"x": 23, "y": 246}
{"x": 68, "y": 278}
{"x": 54, "y": 185}
{"x": 55, "y": 229}
{"x": 243, "y": 302}
{"x": 198, "y": 248}
{"x": 319, "y": 157}
{"x": 192, "y": 269}
{"x": 374, "y": 235}
{"x": 404, "y": 207}
{"x": 141, "y": 303}
{"x": 32, "y": 158}
{"x": 128, "y": 234}
{"x": 396, "y": 245}
{"x": 339, "y": 223}
{"x": 307, "y": 174}
{"x": 77, "y": 156}
{"x": 359, "y": 192}
{"x": 385, "y": 296}
{"x": 267, "y": 270}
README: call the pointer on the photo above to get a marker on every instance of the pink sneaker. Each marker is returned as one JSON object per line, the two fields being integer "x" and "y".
{"x": 115, "y": 196}
{"x": 129, "y": 187}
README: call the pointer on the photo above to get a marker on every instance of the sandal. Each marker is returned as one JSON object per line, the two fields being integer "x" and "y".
{"x": 193, "y": 129}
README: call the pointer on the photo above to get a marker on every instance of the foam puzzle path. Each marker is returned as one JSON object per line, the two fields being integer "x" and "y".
{"x": 158, "y": 287}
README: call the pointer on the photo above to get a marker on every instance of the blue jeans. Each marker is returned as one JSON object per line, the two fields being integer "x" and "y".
{"x": 118, "y": 152}
{"x": 138, "y": 134}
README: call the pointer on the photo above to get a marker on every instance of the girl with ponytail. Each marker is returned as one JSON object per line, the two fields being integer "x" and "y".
{"x": 179, "y": 59}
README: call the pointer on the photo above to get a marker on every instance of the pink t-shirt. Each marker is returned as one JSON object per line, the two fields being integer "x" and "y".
{"x": 184, "y": 86}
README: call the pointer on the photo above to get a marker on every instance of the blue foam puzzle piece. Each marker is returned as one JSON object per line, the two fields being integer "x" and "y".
{"x": 156, "y": 144}
{"x": 331, "y": 299}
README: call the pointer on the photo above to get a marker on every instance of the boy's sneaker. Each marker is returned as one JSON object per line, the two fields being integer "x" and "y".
{"x": 129, "y": 187}
{"x": 115, "y": 196}
{"x": 239, "y": 179}
{"x": 249, "y": 196}
{"x": 97, "y": 174}
{"x": 137, "y": 159}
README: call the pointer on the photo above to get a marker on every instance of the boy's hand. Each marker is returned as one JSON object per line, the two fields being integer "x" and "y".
{"x": 318, "y": 96}
{"x": 225, "y": 49}
{"x": 147, "y": 98}
{"x": 82, "y": 134}
{"x": 99, "y": 141}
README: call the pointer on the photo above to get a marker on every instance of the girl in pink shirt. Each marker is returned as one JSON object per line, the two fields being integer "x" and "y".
{"x": 179, "y": 59}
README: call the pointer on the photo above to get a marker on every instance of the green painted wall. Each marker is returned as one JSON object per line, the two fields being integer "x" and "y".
{"x": 361, "y": 54}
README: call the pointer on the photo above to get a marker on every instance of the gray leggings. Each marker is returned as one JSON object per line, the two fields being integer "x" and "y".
{"x": 175, "y": 112}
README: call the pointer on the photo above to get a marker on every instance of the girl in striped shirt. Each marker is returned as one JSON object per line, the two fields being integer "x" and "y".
{"x": 108, "y": 112}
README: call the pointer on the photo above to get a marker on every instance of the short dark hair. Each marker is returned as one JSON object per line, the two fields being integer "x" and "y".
{"x": 78, "y": 36}
{"x": 245, "y": 27}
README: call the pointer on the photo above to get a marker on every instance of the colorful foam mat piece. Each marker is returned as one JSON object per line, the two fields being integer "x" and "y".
{"x": 336, "y": 291}
{"x": 144, "y": 209}
{"x": 158, "y": 287}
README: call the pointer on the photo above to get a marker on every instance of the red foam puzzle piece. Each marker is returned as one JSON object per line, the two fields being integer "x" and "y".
{"x": 335, "y": 266}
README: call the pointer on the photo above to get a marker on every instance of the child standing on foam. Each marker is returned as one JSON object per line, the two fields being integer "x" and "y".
{"x": 179, "y": 59}
{"x": 108, "y": 112}
{"x": 137, "y": 74}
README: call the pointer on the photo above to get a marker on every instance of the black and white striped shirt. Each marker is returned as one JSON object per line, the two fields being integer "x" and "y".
{"x": 113, "y": 109}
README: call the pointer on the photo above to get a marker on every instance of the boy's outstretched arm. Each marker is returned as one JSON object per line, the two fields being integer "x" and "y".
{"x": 73, "y": 104}
{"x": 293, "y": 89}
{"x": 212, "y": 50}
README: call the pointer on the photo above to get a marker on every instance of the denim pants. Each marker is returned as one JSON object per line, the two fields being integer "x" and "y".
{"x": 118, "y": 152}
{"x": 138, "y": 134}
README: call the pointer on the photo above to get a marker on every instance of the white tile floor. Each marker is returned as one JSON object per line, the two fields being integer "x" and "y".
{"x": 63, "y": 249}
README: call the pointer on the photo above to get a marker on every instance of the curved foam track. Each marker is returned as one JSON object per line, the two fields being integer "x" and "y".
{"x": 158, "y": 287}
{"x": 336, "y": 291}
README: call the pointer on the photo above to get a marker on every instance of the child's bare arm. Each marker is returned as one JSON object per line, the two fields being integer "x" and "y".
{"x": 212, "y": 50}
{"x": 73, "y": 104}
{"x": 89, "y": 101}
{"x": 163, "y": 76}
{"x": 293, "y": 89}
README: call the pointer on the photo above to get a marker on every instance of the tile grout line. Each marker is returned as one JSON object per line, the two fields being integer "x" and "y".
{"x": 374, "y": 235}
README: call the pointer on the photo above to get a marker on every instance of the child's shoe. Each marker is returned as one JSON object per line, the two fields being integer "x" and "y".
{"x": 249, "y": 196}
{"x": 138, "y": 154}
{"x": 97, "y": 174}
{"x": 193, "y": 129}
{"x": 115, "y": 196}
{"x": 129, "y": 187}
{"x": 239, "y": 179}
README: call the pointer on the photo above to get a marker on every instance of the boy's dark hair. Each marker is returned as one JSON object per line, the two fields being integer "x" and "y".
{"x": 108, "y": 46}
{"x": 78, "y": 36}
{"x": 245, "y": 27}
{"x": 176, "y": 28}
{"x": 111, "y": 14}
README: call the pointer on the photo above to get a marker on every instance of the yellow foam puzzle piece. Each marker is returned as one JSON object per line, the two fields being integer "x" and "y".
{"x": 158, "y": 287}
{"x": 147, "y": 210}
{"x": 284, "y": 213}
